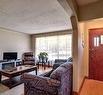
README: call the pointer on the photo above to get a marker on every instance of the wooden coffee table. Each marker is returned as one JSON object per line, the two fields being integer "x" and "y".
{"x": 14, "y": 72}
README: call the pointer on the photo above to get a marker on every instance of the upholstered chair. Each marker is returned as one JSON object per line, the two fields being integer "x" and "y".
{"x": 58, "y": 83}
{"x": 28, "y": 58}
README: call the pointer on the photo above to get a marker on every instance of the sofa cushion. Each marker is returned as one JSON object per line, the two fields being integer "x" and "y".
{"x": 57, "y": 74}
{"x": 56, "y": 65}
{"x": 61, "y": 61}
{"x": 66, "y": 65}
{"x": 46, "y": 74}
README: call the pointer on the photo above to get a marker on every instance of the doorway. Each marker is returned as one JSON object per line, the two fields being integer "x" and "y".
{"x": 96, "y": 54}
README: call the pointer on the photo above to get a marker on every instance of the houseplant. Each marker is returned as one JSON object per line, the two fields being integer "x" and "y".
{"x": 43, "y": 57}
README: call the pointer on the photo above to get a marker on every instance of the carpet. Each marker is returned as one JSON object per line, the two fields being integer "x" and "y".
{"x": 3, "y": 88}
{"x": 18, "y": 90}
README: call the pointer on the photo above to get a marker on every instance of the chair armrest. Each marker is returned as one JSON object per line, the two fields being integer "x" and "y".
{"x": 41, "y": 83}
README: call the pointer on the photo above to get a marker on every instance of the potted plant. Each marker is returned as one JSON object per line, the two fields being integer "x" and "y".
{"x": 43, "y": 56}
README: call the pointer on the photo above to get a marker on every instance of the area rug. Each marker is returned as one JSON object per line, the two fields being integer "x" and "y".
{"x": 3, "y": 88}
{"x": 18, "y": 90}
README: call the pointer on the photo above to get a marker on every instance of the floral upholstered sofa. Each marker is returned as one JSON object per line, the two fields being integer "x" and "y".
{"x": 58, "y": 83}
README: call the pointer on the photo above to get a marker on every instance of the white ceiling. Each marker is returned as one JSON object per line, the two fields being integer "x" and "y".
{"x": 84, "y": 2}
{"x": 33, "y": 16}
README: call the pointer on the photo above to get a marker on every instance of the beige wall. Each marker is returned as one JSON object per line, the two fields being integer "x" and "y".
{"x": 78, "y": 54}
{"x": 12, "y": 41}
{"x": 91, "y": 11}
{"x": 75, "y": 53}
{"x": 98, "y": 23}
{"x": 83, "y": 52}
{"x": 87, "y": 12}
{"x": 73, "y": 5}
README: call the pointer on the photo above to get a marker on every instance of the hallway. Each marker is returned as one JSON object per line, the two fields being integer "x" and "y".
{"x": 92, "y": 87}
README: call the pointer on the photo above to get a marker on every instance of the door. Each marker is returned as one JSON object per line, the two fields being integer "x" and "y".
{"x": 96, "y": 54}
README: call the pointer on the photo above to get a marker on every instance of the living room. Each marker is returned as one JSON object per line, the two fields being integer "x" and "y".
{"x": 36, "y": 33}
{"x": 35, "y": 27}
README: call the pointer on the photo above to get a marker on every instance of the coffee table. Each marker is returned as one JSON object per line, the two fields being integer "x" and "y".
{"x": 14, "y": 72}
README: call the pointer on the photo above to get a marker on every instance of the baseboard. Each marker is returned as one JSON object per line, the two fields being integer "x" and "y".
{"x": 78, "y": 93}
{"x": 75, "y": 93}
{"x": 82, "y": 84}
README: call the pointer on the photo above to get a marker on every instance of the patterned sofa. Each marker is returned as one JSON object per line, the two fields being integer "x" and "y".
{"x": 58, "y": 62}
{"x": 59, "y": 82}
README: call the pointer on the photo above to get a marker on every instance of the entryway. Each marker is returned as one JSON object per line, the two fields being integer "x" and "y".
{"x": 96, "y": 54}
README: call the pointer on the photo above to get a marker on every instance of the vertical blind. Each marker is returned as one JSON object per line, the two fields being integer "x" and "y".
{"x": 57, "y": 47}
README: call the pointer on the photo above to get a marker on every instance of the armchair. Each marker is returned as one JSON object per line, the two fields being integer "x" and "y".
{"x": 28, "y": 58}
{"x": 38, "y": 85}
{"x": 59, "y": 82}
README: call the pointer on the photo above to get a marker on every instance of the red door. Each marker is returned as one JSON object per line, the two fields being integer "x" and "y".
{"x": 96, "y": 54}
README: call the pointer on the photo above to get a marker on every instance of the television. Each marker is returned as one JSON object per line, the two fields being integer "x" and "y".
{"x": 9, "y": 55}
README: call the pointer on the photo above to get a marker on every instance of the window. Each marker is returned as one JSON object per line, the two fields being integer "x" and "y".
{"x": 57, "y": 47}
{"x": 96, "y": 41}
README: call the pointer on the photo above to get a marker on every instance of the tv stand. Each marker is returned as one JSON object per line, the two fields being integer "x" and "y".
{"x": 4, "y": 64}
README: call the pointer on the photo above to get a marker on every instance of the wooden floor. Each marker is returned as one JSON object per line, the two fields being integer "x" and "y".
{"x": 92, "y": 87}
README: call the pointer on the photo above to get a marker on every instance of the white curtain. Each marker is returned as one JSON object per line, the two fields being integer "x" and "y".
{"x": 57, "y": 47}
